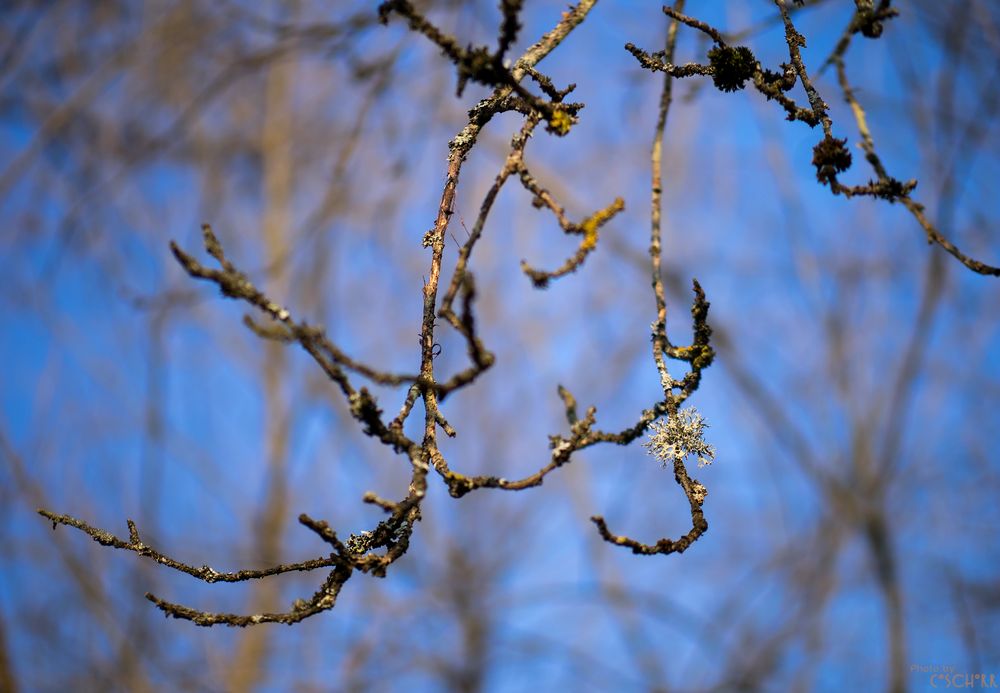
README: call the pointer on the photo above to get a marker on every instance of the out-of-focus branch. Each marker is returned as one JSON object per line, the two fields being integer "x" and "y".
{"x": 887, "y": 187}
{"x": 730, "y": 68}
{"x": 7, "y": 677}
{"x": 251, "y": 657}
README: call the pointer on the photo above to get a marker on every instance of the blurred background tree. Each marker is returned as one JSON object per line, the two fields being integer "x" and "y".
{"x": 853, "y": 406}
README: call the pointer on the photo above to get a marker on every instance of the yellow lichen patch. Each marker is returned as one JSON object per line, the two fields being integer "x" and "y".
{"x": 588, "y": 228}
{"x": 591, "y": 224}
{"x": 698, "y": 355}
{"x": 685, "y": 353}
{"x": 560, "y": 122}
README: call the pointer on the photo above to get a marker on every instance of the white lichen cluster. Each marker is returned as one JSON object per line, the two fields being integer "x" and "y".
{"x": 360, "y": 543}
{"x": 698, "y": 492}
{"x": 680, "y": 436}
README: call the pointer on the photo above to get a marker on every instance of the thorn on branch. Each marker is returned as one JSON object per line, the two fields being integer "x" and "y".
{"x": 569, "y": 402}
{"x": 711, "y": 31}
{"x": 213, "y": 247}
{"x": 545, "y": 84}
{"x": 373, "y": 499}
{"x": 323, "y": 530}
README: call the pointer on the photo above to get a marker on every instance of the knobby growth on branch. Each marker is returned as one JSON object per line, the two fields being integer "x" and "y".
{"x": 677, "y": 433}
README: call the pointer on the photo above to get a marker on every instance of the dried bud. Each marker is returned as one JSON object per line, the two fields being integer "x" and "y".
{"x": 830, "y": 157}
{"x": 732, "y": 67}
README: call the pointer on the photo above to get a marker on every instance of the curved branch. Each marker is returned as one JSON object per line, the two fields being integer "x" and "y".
{"x": 205, "y": 573}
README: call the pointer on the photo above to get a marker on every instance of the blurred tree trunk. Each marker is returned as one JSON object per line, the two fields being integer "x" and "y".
{"x": 250, "y": 661}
